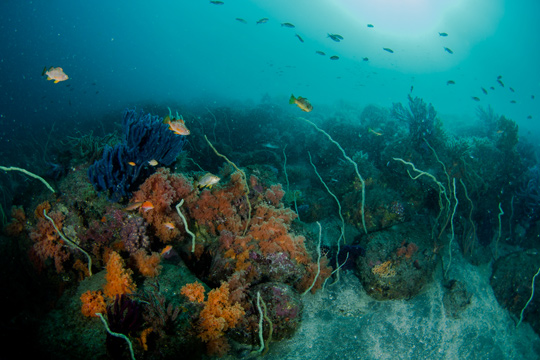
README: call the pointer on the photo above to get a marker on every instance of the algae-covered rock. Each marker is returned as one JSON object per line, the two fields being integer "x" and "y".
{"x": 398, "y": 262}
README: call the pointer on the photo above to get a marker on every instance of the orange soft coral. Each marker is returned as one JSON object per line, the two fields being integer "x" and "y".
{"x": 92, "y": 303}
{"x": 194, "y": 292}
{"x": 118, "y": 278}
{"x": 148, "y": 265}
{"x": 218, "y": 316}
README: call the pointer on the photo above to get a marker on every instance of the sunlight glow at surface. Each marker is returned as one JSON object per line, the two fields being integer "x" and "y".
{"x": 398, "y": 17}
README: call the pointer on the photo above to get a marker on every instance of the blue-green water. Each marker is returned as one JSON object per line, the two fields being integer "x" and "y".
{"x": 133, "y": 51}
{"x": 224, "y": 59}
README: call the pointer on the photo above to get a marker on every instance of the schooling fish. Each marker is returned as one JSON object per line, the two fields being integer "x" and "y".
{"x": 216, "y": 2}
{"x": 288, "y": 25}
{"x": 369, "y": 25}
{"x": 301, "y": 102}
{"x": 320, "y": 53}
{"x": 484, "y": 90}
{"x": 335, "y": 37}
{"x": 448, "y": 50}
{"x": 450, "y": 82}
{"x": 475, "y": 98}
{"x": 241, "y": 20}
{"x": 443, "y": 34}
{"x": 500, "y": 82}
{"x": 57, "y": 74}
{"x": 389, "y": 50}
{"x": 299, "y": 38}
{"x": 365, "y": 59}
{"x": 262, "y": 21}
{"x": 334, "y": 57}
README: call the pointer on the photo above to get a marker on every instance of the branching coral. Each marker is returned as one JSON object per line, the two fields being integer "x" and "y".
{"x": 420, "y": 118}
{"x": 124, "y": 166}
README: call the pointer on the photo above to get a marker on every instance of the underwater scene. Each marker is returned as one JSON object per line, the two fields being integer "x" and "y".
{"x": 323, "y": 179}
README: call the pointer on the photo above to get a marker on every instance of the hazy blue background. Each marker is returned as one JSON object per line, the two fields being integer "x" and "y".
{"x": 120, "y": 53}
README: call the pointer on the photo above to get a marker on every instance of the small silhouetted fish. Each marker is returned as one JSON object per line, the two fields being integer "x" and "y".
{"x": 500, "y": 82}
{"x": 475, "y": 98}
{"x": 299, "y": 38}
{"x": 370, "y": 25}
{"x": 512, "y": 90}
{"x": 320, "y": 53}
{"x": 365, "y": 59}
{"x": 484, "y": 90}
{"x": 532, "y": 97}
{"x": 216, "y": 2}
{"x": 68, "y": 85}
{"x": 512, "y": 101}
{"x": 412, "y": 88}
{"x": 499, "y": 77}
{"x": 389, "y": 50}
{"x": 492, "y": 88}
{"x": 241, "y": 20}
{"x": 448, "y": 50}
{"x": 262, "y": 21}
{"x": 335, "y": 37}
{"x": 529, "y": 117}
{"x": 334, "y": 57}
{"x": 450, "y": 82}
{"x": 289, "y": 25}
{"x": 443, "y": 34}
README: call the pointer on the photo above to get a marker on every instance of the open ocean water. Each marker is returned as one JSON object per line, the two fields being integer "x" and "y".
{"x": 408, "y": 129}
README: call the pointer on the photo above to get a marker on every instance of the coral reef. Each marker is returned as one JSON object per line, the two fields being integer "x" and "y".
{"x": 124, "y": 166}
{"x": 218, "y": 315}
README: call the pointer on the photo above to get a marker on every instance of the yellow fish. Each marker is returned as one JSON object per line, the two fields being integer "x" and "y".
{"x": 57, "y": 74}
{"x": 374, "y": 132}
{"x": 301, "y": 102}
{"x": 207, "y": 180}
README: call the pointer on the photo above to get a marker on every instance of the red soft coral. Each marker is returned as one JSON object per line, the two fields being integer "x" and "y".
{"x": 164, "y": 190}
{"x": 47, "y": 243}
